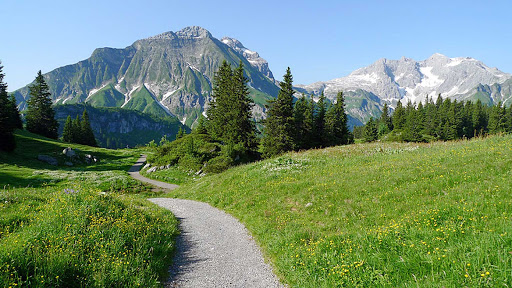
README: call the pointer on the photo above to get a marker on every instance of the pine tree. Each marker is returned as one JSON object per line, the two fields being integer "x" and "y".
{"x": 497, "y": 119}
{"x": 180, "y": 134}
{"x": 67, "y": 133}
{"x": 15, "y": 117}
{"x": 385, "y": 118}
{"x": 336, "y": 122}
{"x": 86, "y": 130}
{"x": 320, "y": 133}
{"x": 398, "y": 118}
{"x": 479, "y": 119}
{"x": 279, "y": 129}
{"x": 7, "y": 142}
{"x": 201, "y": 126}
{"x": 76, "y": 135}
{"x": 370, "y": 131}
{"x": 40, "y": 114}
{"x": 300, "y": 109}
{"x": 221, "y": 104}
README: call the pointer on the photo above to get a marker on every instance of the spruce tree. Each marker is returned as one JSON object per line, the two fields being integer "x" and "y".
{"x": 336, "y": 122}
{"x": 221, "y": 104}
{"x": 279, "y": 126}
{"x": 201, "y": 126}
{"x": 15, "y": 117}
{"x": 300, "y": 109}
{"x": 87, "y": 134}
{"x": 479, "y": 119}
{"x": 398, "y": 118}
{"x": 7, "y": 142}
{"x": 385, "y": 119}
{"x": 370, "y": 131}
{"x": 40, "y": 114}
{"x": 76, "y": 135}
{"x": 320, "y": 133}
{"x": 67, "y": 132}
{"x": 180, "y": 134}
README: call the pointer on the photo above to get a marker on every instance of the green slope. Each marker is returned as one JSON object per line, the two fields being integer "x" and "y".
{"x": 108, "y": 96}
{"x": 377, "y": 215}
{"x": 142, "y": 100}
{"x": 79, "y": 226}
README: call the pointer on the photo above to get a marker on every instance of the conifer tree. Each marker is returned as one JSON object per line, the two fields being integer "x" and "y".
{"x": 279, "y": 126}
{"x": 76, "y": 135}
{"x": 180, "y": 134}
{"x": 8, "y": 142}
{"x": 336, "y": 122}
{"x": 370, "y": 131}
{"x": 15, "y": 117}
{"x": 300, "y": 109}
{"x": 320, "y": 133}
{"x": 201, "y": 126}
{"x": 67, "y": 133}
{"x": 385, "y": 118}
{"x": 398, "y": 118}
{"x": 479, "y": 119}
{"x": 221, "y": 105}
{"x": 86, "y": 132}
{"x": 40, "y": 114}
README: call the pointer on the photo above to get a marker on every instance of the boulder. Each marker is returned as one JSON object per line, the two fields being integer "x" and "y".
{"x": 69, "y": 152}
{"x": 146, "y": 166}
{"x": 152, "y": 169}
{"x": 48, "y": 159}
{"x": 167, "y": 166}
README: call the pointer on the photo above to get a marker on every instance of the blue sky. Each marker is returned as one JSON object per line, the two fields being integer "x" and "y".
{"x": 319, "y": 40}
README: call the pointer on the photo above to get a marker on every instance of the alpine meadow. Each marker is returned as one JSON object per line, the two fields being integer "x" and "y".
{"x": 182, "y": 160}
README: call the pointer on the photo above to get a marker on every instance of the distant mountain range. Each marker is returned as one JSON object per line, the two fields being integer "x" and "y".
{"x": 171, "y": 74}
{"x": 387, "y": 81}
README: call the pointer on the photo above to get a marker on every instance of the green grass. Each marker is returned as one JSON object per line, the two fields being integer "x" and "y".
{"x": 377, "y": 215}
{"x": 173, "y": 175}
{"x": 80, "y": 226}
{"x": 108, "y": 96}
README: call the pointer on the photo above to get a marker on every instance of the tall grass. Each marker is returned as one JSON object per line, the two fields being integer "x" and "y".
{"x": 83, "y": 226}
{"x": 377, "y": 215}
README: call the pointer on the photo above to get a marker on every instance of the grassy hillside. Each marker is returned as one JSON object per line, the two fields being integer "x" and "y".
{"x": 381, "y": 214}
{"x": 108, "y": 96}
{"x": 79, "y": 226}
{"x": 142, "y": 100}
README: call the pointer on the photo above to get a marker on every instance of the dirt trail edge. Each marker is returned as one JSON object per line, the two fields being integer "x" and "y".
{"x": 213, "y": 249}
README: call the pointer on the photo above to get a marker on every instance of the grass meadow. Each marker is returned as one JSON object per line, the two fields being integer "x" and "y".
{"x": 80, "y": 226}
{"x": 377, "y": 215}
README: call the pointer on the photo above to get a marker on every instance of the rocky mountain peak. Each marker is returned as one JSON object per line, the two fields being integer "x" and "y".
{"x": 251, "y": 56}
{"x": 193, "y": 32}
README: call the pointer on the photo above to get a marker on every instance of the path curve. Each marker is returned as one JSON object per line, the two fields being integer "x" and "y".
{"x": 213, "y": 249}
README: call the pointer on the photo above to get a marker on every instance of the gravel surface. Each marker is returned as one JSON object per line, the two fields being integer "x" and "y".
{"x": 214, "y": 249}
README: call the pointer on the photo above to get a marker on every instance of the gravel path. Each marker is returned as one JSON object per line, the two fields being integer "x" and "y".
{"x": 214, "y": 249}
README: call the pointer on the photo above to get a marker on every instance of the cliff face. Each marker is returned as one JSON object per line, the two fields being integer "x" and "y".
{"x": 118, "y": 128}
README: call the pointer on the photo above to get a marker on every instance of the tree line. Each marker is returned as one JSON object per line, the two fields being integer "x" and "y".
{"x": 39, "y": 116}
{"x": 444, "y": 119}
{"x": 289, "y": 126}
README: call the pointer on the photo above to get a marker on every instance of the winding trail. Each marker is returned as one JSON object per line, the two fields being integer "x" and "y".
{"x": 213, "y": 249}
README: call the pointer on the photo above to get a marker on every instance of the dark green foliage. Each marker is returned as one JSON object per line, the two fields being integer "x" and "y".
{"x": 445, "y": 120}
{"x": 279, "y": 134}
{"x": 80, "y": 132}
{"x": 40, "y": 114}
{"x": 398, "y": 118}
{"x": 320, "y": 133}
{"x": 14, "y": 113}
{"x": 229, "y": 115}
{"x": 336, "y": 128}
{"x": 303, "y": 127}
{"x": 370, "y": 132}
{"x": 67, "y": 133}
{"x": 8, "y": 121}
{"x": 201, "y": 126}
{"x": 86, "y": 131}
{"x": 180, "y": 134}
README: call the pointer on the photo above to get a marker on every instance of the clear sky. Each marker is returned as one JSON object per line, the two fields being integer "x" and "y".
{"x": 319, "y": 40}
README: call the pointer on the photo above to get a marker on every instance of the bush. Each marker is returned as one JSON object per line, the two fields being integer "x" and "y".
{"x": 218, "y": 164}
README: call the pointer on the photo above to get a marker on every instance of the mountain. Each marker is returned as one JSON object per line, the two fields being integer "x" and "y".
{"x": 387, "y": 81}
{"x": 168, "y": 74}
{"x": 118, "y": 128}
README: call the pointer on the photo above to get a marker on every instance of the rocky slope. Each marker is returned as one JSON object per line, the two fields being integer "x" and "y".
{"x": 387, "y": 81}
{"x": 168, "y": 74}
